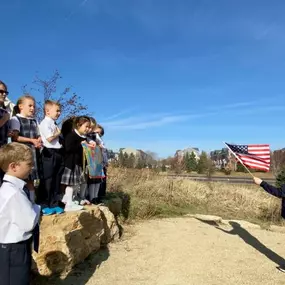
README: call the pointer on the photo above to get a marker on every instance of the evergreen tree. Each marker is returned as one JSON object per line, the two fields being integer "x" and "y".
{"x": 280, "y": 178}
{"x": 131, "y": 161}
{"x": 125, "y": 160}
{"x": 192, "y": 162}
{"x": 121, "y": 158}
{"x": 240, "y": 168}
{"x": 186, "y": 165}
{"x": 202, "y": 165}
{"x": 163, "y": 168}
{"x": 140, "y": 164}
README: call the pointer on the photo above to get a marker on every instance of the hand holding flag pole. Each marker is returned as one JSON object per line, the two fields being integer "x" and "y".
{"x": 239, "y": 160}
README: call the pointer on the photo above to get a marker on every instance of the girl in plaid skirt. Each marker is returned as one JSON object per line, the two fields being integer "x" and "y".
{"x": 25, "y": 130}
{"x": 73, "y": 176}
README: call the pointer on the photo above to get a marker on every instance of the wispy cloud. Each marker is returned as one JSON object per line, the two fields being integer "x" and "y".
{"x": 236, "y": 105}
{"x": 146, "y": 121}
{"x": 119, "y": 114}
{"x": 73, "y": 12}
{"x": 262, "y": 31}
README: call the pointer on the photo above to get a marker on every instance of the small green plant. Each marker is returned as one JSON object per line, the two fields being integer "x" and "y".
{"x": 280, "y": 178}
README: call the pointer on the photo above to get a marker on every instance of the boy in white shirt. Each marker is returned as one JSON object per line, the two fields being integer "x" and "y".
{"x": 52, "y": 160}
{"x": 18, "y": 216}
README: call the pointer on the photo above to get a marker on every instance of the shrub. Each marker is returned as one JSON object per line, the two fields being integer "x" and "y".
{"x": 280, "y": 178}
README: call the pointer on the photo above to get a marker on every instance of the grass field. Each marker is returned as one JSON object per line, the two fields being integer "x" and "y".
{"x": 147, "y": 194}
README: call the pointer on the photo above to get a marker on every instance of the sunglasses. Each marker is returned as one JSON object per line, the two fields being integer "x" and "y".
{"x": 4, "y": 92}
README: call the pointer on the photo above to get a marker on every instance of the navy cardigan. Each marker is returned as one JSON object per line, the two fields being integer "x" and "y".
{"x": 277, "y": 192}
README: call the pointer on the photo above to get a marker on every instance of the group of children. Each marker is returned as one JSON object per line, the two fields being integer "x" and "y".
{"x": 40, "y": 152}
{"x": 57, "y": 155}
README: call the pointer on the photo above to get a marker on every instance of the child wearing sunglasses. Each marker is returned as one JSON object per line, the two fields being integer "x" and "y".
{"x": 4, "y": 120}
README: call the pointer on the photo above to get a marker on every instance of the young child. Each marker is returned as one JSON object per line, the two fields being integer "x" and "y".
{"x": 4, "y": 120}
{"x": 25, "y": 130}
{"x": 103, "y": 186}
{"x": 73, "y": 176}
{"x": 52, "y": 160}
{"x": 93, "y": 183}
{"x": 18, "y": 216}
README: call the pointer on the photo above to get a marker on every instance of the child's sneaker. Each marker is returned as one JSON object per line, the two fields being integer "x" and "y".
{"x": 48, "y": 211}
{"x": 84, "y": 202}
{"x": 58, "y": 210}
{"x": 72, "y": 207}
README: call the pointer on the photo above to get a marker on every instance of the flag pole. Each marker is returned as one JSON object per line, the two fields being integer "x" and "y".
{"x": 239, "y": 159}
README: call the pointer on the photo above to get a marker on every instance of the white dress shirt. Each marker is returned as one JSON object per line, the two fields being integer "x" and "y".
{"x": 47, "y": 129}
{"x": 18, "y": 216}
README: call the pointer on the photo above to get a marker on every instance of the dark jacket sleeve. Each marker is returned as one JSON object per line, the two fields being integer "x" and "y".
{"x": 72, "y": 143}
{"x": 277, "y": 192}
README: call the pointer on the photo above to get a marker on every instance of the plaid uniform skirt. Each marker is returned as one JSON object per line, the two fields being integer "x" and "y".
{"x": 36, "y": 170}
{"x": 73, "y": 177}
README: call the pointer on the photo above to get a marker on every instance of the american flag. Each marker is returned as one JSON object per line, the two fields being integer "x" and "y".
{"x": 255, "y": 156}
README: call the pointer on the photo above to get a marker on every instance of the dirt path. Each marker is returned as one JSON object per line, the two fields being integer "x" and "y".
{"x": 186, "y": 251}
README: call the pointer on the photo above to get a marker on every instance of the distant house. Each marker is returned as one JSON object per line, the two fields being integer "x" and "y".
{"x": 138, "y": 153}
{"x": 220, "y": 157}
{"x": 189, "y": 150}
{"x": 129, "y": 151}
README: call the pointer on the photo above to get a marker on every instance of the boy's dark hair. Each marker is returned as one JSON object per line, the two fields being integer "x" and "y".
{"x": 79, "y": 121}
{"x": 5, "y": 86}
{"x": 102, "y": 130}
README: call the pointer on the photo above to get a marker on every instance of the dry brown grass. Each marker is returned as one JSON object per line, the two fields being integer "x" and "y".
{"x": 147, "y": 194}
{"x": 268, "y": 175}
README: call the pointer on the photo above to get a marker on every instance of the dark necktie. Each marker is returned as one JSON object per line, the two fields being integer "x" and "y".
{"x": 36, "y": 230}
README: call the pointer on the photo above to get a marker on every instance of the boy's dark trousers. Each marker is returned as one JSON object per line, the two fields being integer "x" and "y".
{"x": 15, "y": 263}
{"x": 103, "y": 186}
{"x": 53, "y": 167}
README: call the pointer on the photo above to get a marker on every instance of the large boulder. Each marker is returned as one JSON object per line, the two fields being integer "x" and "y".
{"x": 68, "y": 239}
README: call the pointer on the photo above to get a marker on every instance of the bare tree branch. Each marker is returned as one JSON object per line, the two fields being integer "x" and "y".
{"x": 71, "y": 102}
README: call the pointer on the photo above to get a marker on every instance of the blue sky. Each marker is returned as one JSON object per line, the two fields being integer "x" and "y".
{"x": 159, "y": 75}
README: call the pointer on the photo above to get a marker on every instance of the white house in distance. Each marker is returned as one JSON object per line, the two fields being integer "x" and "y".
{"x": 189, "y": 150}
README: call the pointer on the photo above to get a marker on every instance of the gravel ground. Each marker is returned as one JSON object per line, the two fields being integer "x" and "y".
{"x": 182, "y": 251}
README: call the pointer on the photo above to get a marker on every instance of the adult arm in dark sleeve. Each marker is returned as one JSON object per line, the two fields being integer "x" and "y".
{"x": 277, "y": 192}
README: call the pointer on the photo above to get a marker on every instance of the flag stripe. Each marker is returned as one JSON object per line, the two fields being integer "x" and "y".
{"x": 258, "y": 152}
{"x": 243, "y": 158}
{"x": 258, "y": 145}
{"x": 252, "y": 165}
{"x": 256, "y": 165}
{"x": 253, "y": 156}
